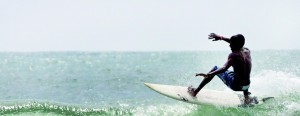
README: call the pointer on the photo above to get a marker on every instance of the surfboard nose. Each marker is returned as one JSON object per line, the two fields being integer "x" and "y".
{"x": 148, "y": 84}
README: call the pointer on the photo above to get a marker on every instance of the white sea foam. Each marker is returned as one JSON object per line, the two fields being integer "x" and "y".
{"x": 274, "y": 83}
{"x": 178, "y": 109}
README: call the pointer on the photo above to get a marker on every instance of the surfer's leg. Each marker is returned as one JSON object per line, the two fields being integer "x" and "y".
{"x": 248, "y": 99}
{"x": 205, "y": 81}
{"x": 246, "y": 95}
{"x": 227, "y": 77}
{"x": 246, "y": 92}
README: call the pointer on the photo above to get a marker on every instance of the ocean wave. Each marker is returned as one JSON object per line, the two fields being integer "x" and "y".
{"x": 278, "y": 106}
{"x": 275, "y": 83}
{"x": 34, "y": 107}
{"x": 52, "y": 108}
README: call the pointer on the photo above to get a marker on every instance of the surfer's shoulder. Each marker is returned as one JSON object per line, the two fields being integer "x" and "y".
{"x": 232, "y": 55}
{"x": 246, "y": 49}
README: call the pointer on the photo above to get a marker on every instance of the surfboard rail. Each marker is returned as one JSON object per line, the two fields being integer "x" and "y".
{"x": 204, "y": 97}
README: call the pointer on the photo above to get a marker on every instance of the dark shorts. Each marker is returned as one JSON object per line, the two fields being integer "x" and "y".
{"x": 228, "y": 78}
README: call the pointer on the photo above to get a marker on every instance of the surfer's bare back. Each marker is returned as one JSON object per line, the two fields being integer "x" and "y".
{"x": 239, "y": 59}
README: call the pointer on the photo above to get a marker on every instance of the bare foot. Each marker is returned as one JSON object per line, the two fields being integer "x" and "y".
{"x": 191, "y": 91}
{"x": 249, "y": 100}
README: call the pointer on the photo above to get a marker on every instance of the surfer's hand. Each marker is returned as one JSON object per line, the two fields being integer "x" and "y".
{"x": 202, "y": 74}
{"x": 214, "y": 37}
{"x": 198, "y": 74}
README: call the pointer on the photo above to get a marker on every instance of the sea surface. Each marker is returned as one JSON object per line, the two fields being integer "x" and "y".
{"x": 112, "y": 83}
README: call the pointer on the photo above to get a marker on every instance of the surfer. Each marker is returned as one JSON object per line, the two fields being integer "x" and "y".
{"x": 239, "y": 59}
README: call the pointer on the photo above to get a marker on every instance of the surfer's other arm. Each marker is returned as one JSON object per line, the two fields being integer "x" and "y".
{"x": 219, "y": 70}
{"x": 216, "y": 37}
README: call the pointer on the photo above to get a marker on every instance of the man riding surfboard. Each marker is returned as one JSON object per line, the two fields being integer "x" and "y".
{"x": 239, "y": 59}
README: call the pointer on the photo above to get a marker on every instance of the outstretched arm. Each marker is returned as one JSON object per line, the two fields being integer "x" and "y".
{"x": 216, "y": 37}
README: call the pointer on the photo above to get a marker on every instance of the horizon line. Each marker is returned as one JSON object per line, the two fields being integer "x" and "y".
{"x": 4, "y": 51}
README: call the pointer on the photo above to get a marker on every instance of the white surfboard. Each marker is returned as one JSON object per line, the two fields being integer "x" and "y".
{"x": 205, "y": 96}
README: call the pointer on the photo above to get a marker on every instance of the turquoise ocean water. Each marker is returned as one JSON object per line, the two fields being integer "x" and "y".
{"x": 112, "y": 83}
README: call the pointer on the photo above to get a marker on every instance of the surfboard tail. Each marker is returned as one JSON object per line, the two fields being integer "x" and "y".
{"x": 267, "y": 98}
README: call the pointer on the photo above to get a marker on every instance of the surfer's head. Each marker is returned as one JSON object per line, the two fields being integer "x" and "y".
{"x": 237, "y": 42}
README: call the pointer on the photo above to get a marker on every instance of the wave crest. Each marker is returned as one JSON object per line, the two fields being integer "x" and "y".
{"x": 57, "y": 109}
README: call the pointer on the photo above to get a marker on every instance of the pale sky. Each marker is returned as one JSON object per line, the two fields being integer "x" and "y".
{"x": 146, "y": 25}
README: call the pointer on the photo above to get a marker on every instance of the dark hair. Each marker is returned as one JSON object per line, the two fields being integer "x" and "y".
{"x": 237, "y": 41}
